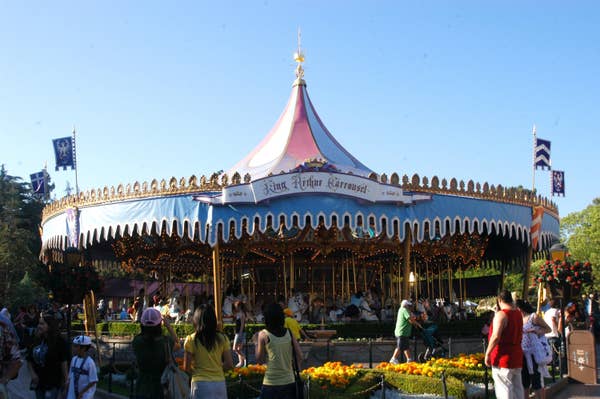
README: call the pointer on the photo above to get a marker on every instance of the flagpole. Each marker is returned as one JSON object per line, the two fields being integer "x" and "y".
{"x": 533, "y": 163}
{"x": 530, "y": 248}
{"x": 75, "y": 162}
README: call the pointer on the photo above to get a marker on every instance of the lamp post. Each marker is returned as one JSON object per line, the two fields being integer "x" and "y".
{"x": 411, "y": 281}
{"x": 72, "y": 258}
{"x": 558, "y": 251}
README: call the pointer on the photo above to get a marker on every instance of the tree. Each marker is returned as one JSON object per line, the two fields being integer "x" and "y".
{"x": 581, "y": 233}
{"x": 20, "y": 216}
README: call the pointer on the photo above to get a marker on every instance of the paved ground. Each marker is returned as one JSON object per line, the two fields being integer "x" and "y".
{"x": 579, "y": 391}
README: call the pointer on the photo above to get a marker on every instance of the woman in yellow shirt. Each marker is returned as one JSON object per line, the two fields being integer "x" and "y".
{"x": 207, "y": 355}
{"x": 275, "y": 345}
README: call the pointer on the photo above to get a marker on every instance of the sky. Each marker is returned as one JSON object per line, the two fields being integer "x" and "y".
{"x": 158, "y": 89}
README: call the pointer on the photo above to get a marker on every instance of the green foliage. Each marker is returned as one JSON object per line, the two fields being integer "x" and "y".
{"x": 20, "y": 216}
{"x": 68, "y": 283}
{"x": 25, "y": 293}
{"x": 418, "y": 384}
{"x": 581, "y": 233}
{"x": 472, "y": 376}
{"x": 348, "y": 330}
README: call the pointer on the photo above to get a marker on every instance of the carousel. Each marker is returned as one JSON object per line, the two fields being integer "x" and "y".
{"x": 300, "y": 214}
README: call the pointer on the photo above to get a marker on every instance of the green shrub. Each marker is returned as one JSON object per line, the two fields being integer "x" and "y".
{"x": 418, "y": 384}
{"x": 359, "y": 329}
{"x": 472, "y": 376}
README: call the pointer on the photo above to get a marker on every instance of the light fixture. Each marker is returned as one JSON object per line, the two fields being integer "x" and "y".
{"x": 558, "y": 251}
{"x": 411, "y": 278}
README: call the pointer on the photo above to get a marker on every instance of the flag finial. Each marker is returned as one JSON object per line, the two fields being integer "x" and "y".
{"x": 299, "y": 58}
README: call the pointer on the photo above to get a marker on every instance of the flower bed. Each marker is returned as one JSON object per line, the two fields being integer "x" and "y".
{"x": 335, "y": 380}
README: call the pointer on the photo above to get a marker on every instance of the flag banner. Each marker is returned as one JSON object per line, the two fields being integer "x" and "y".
{"x": 73, "y": 227}
{"x": 558, "y": 182}
{"x": 64, "y": 152}
{"x": 536, "y": 226}
{"x": 541, "y": 154}
{"x": 39, "y": 183}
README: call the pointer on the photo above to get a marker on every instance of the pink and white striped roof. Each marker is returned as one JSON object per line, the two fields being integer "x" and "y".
{"x": 298, "y": 136}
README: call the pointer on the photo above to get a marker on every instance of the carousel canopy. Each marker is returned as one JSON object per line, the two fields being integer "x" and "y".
{"x": 298, "y": 176}
{"x": 299, "y": 135}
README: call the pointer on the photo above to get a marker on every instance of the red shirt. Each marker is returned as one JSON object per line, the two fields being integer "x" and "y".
{"x": 508, "y": 353}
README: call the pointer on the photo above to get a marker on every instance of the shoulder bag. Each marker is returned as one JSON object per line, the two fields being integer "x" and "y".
{"x": 175, "y": 382}
{"x": 297, "y": 379}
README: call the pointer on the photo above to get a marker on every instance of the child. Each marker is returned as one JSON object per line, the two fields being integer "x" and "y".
{"x": 82, "y": 373}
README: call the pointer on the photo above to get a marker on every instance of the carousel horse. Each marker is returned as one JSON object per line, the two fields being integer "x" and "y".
{"x": 297, "y": 305}
{"x": 366, "y": 313}
{"x": 228, "y": 308}
{"x": 174, "y": 307}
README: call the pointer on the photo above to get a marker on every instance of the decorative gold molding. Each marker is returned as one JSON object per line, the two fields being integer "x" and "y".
{"x": 216, "y": 182}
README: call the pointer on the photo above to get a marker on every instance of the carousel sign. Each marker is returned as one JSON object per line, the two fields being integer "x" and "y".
{"x": 313, "y": 183}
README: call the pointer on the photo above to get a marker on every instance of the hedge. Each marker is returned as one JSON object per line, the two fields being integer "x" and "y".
{"x": 418, "y": 384}
{"x": 343, "y": 330}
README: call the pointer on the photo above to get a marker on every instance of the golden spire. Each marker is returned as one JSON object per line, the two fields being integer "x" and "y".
{"x": 299, "y": 58}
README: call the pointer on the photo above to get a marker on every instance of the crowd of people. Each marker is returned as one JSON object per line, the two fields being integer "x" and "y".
{"x": 208, "y": 354}
{"x": 34, "y": 338}
{"x": 523, "y": 343}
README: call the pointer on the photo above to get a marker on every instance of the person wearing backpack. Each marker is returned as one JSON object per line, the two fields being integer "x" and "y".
{"x": 152, "y": 350}
{"x": 82, "y": 373}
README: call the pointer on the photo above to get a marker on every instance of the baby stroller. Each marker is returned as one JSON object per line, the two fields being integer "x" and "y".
{"x": 434, "y": 347}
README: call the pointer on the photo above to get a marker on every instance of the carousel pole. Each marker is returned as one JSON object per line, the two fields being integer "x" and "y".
{"x": 460, "y": 288}
{"x": 292, "y": 274}
{"x": 449, "y": 281}
{"x": 441, "y": 294}
{"x": 416, "y": 278}
{"x": 343, "y": 281}
{"x": 399, "y": 281}
{"x": 285, "y": 289}
{"x": 348, "y": 277}
{"x": 332, "y": 278}
{"x": 406, "y": 271}
{"x": 364, "y": 276}
{"x": 217, "y": 284}
{"x": 354, "y": 273}
{"x": 381, "y": 278}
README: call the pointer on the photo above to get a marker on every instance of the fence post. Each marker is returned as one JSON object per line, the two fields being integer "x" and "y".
{"x": 382, "y": 386}
{"x": 486, "y": 382}
{"x": 414, "y": 355}
{"x": 308, "y": 387}
{"x": 444, "y": 387}
{"x": 241, "y": 382}
{"x": 327, "y": 349}
{"x": 450, "y": 347}
{"x": 134, "y": 368}
{"x": 111, "y": 365}
{"x": 246, "y": 351}
{"x": 486, "y": 377}
{"x": 370, "y": 353}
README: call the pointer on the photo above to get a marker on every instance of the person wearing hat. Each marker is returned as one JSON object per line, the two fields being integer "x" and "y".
{"x": 292, "y": 324}
{"x": 82, "y": 373}
{"x": 152, "y": 352}
{"x": 403, "y": 331}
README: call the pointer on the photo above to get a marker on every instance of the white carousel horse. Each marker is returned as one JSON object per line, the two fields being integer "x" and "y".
{"x": 227, "y": 308}
{"x": 297, "y": 305}
{"x": 366, "y": 313}
{"x": 174, "y": 307}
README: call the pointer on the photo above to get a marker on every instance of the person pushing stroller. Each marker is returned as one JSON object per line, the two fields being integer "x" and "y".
{"x": 434, "y": 347}
{"x": 403, "y": 331}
